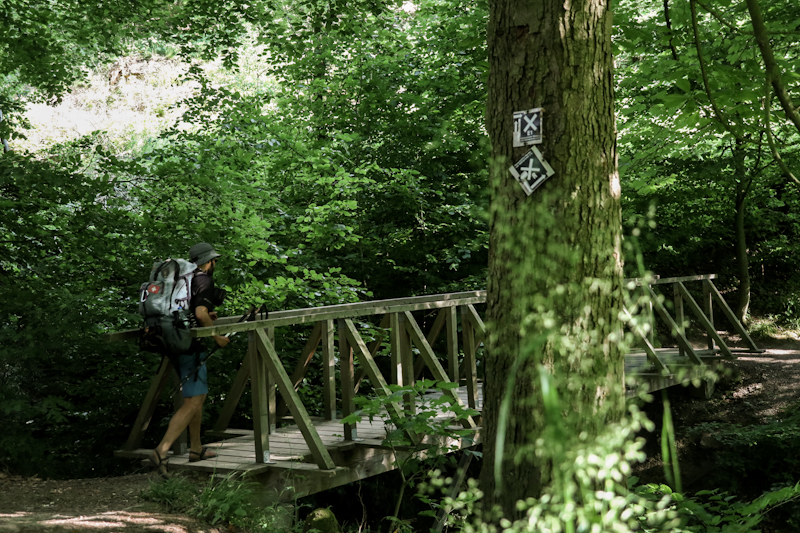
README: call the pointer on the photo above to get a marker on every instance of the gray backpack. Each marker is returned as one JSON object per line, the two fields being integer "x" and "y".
{"x": 164, "y": 303}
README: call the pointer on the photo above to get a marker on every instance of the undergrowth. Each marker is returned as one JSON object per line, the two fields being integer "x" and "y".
{"x": 756, "y": 457}
{"x": 226, "y": 502}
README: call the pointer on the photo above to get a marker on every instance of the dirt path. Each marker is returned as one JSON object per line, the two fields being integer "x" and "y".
{"x": 102, "y": 504}
{"x": 761, "y": 386}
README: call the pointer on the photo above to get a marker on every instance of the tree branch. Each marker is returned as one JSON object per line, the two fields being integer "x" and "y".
{"x": 669, "y": 30}
{"x": 721, "y": 19}
{"x": 775, "y": 155}
{"x": 773, "y": 72}
{"x": 716, "y": 14}
{"x": 718, "y": 113}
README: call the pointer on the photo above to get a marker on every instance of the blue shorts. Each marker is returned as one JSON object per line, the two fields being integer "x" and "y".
{"x": 191, "y": 386}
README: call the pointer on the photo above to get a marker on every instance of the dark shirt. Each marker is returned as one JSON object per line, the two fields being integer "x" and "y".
{"x": 202, "y": 294}
{"x": 202, "y": 291}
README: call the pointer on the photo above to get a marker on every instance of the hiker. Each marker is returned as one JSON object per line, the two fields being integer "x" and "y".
{"x": 194, "y": 376}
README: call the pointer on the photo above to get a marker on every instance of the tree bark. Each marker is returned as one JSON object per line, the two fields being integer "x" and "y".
{"x": 742, "y": 258}
{"x": 555, "y": 266}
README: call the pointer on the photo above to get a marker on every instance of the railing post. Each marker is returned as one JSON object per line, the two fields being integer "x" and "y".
{"x": 396, "y": 343}
{"x": 406, "y": 364}
{"x": 651, "y": 315}
{"x": 328, "y": 372}
{"x": 470, "y": 368}
{"x": 347, "y": 372}
{"x": 452, "y": 343}
{"x": 272, "y": 404}
{"x": 679, "y": 316}
{"x": 258, "y": 384}
{"x": 402, "y": 358}
{"x": 708, "y": 304}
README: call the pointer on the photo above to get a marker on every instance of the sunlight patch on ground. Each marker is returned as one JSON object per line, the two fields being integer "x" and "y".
{"x": 785, "y": 352}
{"x": 118, "y": 520}
{"x": 743, "y": 392}
{"x": 77, "y": 522}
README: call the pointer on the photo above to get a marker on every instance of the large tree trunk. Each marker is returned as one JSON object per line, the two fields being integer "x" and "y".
{"x": 548, "y": 250}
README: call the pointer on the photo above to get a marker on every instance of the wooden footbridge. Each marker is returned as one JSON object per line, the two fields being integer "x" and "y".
{"x": 303, "y": 454}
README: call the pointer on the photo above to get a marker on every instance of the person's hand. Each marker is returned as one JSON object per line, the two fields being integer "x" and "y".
{"x": 212, "y": 315}
{"x": 222, "y": 341}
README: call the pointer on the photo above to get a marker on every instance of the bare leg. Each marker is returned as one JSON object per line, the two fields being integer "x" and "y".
{"x": 180, "y": 420}
{"x": 194, "y": 429}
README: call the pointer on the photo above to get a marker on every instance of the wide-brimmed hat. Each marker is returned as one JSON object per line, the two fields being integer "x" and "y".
{"x": 201, "y": 253}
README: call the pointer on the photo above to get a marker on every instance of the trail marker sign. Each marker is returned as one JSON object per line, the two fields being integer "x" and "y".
{"x": 531, "y": 171}
{"x": 528, "y": 127}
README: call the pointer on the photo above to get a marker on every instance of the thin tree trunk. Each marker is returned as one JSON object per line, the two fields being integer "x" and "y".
{"x": 742, "y": 258}
{"x": 542, "y": 311}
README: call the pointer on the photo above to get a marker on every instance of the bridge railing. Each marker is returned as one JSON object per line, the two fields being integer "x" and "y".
{"x": 263, "y": 368}
{"x": 703, "y": 313}
{"x": 398, "y": 325}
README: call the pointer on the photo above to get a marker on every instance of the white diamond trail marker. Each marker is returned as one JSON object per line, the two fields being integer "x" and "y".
{"x": 531, "y": 171}
{"x": 528, "y": 127}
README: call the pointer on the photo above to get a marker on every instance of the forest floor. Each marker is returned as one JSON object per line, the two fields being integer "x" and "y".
{"x": 754, "y": 389}
{"x": 759, "y": 387}
{"x": 101, "y": 504}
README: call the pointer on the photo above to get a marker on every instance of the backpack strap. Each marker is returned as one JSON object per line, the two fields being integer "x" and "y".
{"x": 157, "y": 270}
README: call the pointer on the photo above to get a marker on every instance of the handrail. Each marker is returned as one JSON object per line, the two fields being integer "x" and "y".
{"x": 378, "y": 307}
{"x": 664, "y": 281}
{"x": 333, "y": 312}
{"x": 329, "y": 312}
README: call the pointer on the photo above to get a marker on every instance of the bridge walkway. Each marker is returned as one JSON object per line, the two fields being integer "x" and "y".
{"x": 309, "y": 454}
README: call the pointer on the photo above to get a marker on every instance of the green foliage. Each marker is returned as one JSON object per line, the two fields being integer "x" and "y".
{"x": 763, "y": 328}
{"x": 754, "y": 458}
{"x": 711, "y": 511}
{"x": 58, "y": 378}
{"x": 385, "y": 200}
{"x": 177, "y": 494}
{"x": 435, "y": 416}
{"x": 372, "y": 97}
{"x": 678, "y": 148}
{"x": 593, "y": 491}
{"x": 227, "y": 502}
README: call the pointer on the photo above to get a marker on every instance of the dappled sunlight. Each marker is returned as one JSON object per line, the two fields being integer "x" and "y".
{"x": 89, "y": 523}
{"x": 121, "y": 520}
{"x": 774, "y": 352}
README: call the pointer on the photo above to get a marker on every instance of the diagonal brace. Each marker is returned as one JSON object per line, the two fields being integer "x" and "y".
{"x": 366, "y": 359}
{"x": 726, "y": 310}
{"x": 705, "y": 322}
{"x": 652, "y": 356}
{"x": 666, "y": 317}
{"x": 433, "y": 363}
{"x": 296, "y": 407}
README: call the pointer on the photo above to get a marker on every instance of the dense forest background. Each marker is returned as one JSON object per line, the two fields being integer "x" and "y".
{"x": 333, "y": 152}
